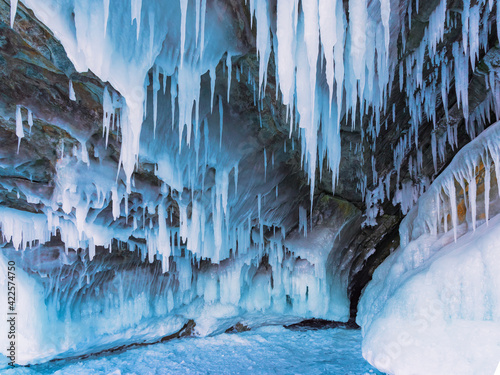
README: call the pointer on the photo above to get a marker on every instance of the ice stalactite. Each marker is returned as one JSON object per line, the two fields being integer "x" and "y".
{"x": 23, "y": 228}
{"x": 331, "y": 62}
{"x": 72, "y": 95}
{"x": 461, "y": 172}
{"x": 13, "y": 10}
{"x": 19, "y": 126}
{"x": 217, "y": 226}
{"x": 150, "y": 305}
{"x": 30, "y": 118}
{"x": 362, "y": 45}
{"x": 426, "y": 77}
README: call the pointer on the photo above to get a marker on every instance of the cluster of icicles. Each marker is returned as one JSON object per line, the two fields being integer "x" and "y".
{"x": 331, "y": 62}
{"x": 437, "y": 210}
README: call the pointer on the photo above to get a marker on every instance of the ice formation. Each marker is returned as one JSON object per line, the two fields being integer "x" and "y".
{"x": 433, "y": 306}
{"x": 334, "y": 351}
{"x": 357, "y": 74}
{"x": 151, "y": 305}
{"x": 161, "y": 63}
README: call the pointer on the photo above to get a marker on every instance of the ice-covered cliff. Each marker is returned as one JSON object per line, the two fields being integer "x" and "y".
{"x": 433, "y": 306}
{"x": 223, "y": 161}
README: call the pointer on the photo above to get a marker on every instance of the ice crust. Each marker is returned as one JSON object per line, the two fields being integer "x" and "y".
{"x": 433, "y": 306}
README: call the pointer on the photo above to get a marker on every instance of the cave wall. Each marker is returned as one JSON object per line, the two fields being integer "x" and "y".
{"x": 36, "y": 73}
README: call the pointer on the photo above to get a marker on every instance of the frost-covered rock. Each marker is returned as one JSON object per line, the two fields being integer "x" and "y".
{"x": 433, "y": 306}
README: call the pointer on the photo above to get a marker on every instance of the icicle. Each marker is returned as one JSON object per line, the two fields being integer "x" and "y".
{"x": 474, "y": 35}
{"x": 357, "y": 26}
{"x": 265, "y": 165}
{"x": 136, "y": 9}
{"x": 13, "y": 10}
{"x": 453, "y": 205}
{"x": 184, "y": 5}
{"x": 173, "y": 96}
{"x": 221, "y": 120}
{"x": 385, "y": 10}
{"x": 285, "y": 34}
{"x": 85, "y": 153}
{"x": 465, "y": 24}
{"x": 327, "y": 9}
{"x": 197, "y": 20}
{"x": 156, "y": 89}
{"x": 236, "y": 179}
{"x": 461, "y": 79}
{"x": 202, "y": 27}
{"x": 498, "y": 21}
{"x": 72, "y": 95}
{"x": 116, "y": 203}
{"x": 339, "y": 57}
{"x": 229, "y": 70}
{"x": 212, "y": 73}
{"x": 91, "y": 248}
{"x": 487, "y": 188}
{"x": 311, "y": 40}
{"x": 263, "y": 43}
{"x": 106, "y": 15}
{"x": 30, "y": 119}
{"x": 107, "y": 111}
{"x": 19, "y": 126}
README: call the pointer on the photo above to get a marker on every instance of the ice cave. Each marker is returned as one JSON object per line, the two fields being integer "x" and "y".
{"x": 250, "y": 187}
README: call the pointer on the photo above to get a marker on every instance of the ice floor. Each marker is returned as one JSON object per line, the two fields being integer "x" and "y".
{"x": 268, "y": 350}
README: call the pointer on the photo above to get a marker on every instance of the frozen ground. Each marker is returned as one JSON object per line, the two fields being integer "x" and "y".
{"x": 268, "y": 350}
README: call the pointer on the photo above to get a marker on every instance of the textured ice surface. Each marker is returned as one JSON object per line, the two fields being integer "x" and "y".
{"x": 442, "y": 316}
{"x": 71, "y": 305}
{"x": 433, "y": 306}
{"x": 268, "y": 350}
{"x": 181, "y": 128}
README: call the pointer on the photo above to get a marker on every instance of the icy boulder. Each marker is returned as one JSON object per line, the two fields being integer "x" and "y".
{"x": 433, "y": 306}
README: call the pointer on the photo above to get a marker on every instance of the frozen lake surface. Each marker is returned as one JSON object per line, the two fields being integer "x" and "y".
{"x": 268, "y": 350}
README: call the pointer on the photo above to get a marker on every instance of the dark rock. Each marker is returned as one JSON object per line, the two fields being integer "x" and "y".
{"x": 238, "y": 328}
{"x": 315, "y": 324}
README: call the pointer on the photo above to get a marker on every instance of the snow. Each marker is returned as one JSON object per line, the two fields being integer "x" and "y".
{"x": 433, "y": 306}
{"x": 263, "y": 350}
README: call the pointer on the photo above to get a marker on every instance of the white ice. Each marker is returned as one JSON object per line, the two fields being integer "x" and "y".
{"x": 433, "y": 306}
{"x": 271, "y": 349}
